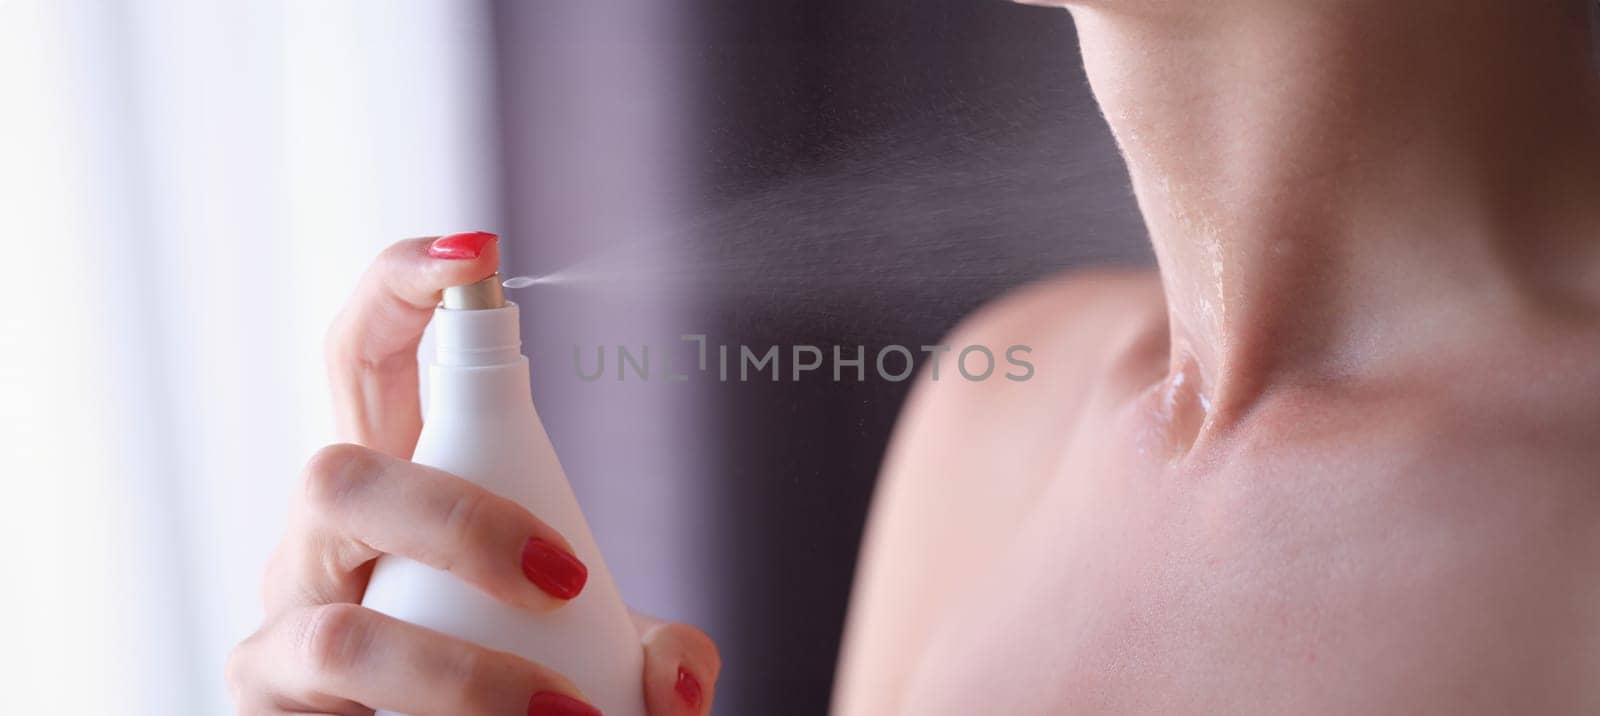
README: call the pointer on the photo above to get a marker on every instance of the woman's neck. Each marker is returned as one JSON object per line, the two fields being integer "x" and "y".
{"x": 1327, "y": 184}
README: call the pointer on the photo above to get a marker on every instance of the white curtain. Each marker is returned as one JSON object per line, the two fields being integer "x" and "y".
{"x": 189, "y": 189}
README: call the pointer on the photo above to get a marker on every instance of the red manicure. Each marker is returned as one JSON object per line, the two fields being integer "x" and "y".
{"x": 688, "y": 688}
{"x": 460, "y": 246}
{"x": 553, "y": 569}
{"x": 550, "y": 703}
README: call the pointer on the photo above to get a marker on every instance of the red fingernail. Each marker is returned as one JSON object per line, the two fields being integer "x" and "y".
{"x": 553, "y": 569}
{"x": 550, "y": 703}
{"x": 688, "y": 688}
{"x": 460, "y": 246}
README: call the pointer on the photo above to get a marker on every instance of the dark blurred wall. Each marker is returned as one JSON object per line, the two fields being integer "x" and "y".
{"x": 850, "y": 173}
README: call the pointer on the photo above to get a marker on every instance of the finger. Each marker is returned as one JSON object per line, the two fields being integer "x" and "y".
{"x": 339, "y": 657}
{"x": 360, "y": 503}
{"x": 269, "y": 705}
{"x": 681, "y": 667}
{"x": 372, "y": 346}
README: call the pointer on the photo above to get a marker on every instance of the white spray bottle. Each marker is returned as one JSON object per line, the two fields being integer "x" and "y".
{"x": 482, "y": 426}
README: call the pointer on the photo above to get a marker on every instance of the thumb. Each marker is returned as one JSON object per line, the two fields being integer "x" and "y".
{"x": 372, "y": 345}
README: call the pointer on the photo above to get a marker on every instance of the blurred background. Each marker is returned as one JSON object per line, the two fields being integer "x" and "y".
{"x": 192, "y": 188}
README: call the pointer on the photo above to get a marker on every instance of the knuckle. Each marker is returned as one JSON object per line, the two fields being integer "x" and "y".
{"x": 333, "y": 340}
{"x": 476, "y": 674}
{"x": 335, "y": 473}
{"x": 340, "y": 352}
{"x": 336, "y": 638}
{"x": 462, "y": 521}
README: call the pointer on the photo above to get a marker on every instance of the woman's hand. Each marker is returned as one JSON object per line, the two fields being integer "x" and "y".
{"x": 318, "y": 650}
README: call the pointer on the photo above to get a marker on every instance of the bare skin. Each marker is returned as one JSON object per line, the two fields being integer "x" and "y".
{"x": 1340, "y": 454}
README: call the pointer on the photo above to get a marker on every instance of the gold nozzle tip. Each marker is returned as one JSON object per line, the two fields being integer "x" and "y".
{"x": 476, "y": 296}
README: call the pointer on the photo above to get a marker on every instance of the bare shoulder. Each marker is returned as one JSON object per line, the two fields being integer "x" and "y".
{"x": 1108, "y": 324}
{"x": 1086, "y": 335}
{"x": 971, "y": 454}
{"x": 1082, "y": 333}
{"x": 1088, "y": 293}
